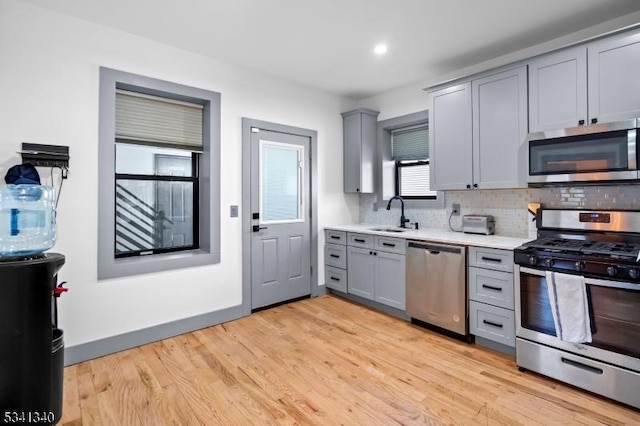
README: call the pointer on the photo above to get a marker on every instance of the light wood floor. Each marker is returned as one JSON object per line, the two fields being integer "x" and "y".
{"x": 322, "y": 361}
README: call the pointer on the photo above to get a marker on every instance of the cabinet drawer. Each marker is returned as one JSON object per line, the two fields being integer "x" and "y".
{"x": 335, "y": 255}
{"x": 492, "y": 323}
{"x": 492, "y": 287}
{"x": 335, "y": 278}
{"x": 360, "y": 240}
{"x": 392, "y": 245}
{"x": 499, "y": 260}
{"x": 335, "y": 237}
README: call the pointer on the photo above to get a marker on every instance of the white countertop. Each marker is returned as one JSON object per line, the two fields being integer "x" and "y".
{"x": 437, "y": 235}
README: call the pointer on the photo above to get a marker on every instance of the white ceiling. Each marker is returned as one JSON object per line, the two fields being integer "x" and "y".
{"x": 328, "y": 44}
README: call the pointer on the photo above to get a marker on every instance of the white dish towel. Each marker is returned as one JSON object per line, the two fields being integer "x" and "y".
{"x": 569, "y": 307}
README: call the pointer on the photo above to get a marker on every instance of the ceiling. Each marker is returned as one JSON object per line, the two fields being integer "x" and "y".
{"x": 328, "y": 44}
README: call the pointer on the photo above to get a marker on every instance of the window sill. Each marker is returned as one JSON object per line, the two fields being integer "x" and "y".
{"x": 136, "y": 265}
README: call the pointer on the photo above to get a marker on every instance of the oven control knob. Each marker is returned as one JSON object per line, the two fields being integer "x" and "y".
{"x": 612, "y": 271}
{"x": 580, "y": 265}
{"x": 633, "y": 273}
{"x": 548, "y": 262}
{"x": 533, "y": 260}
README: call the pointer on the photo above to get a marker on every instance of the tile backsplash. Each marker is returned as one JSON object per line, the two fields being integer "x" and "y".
{"x": 508, "y": 206}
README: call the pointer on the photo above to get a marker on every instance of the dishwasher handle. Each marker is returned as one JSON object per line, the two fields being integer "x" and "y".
{"x": 435, "y": 249}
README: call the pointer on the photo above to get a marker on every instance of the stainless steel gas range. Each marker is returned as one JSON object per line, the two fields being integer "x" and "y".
{"x": 582, "y": 272}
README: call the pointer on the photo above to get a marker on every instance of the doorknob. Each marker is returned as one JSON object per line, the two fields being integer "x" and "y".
{"x": 258, "y": 228}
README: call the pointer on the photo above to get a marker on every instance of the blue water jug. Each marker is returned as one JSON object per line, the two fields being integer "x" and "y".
{"x": 27, "y": 219}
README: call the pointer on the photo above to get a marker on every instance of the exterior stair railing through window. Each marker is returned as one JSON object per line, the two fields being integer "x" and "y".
{"x": 139, "y": 226}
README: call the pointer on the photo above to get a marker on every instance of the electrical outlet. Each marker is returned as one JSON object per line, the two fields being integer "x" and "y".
{"x": 455, "y": 209}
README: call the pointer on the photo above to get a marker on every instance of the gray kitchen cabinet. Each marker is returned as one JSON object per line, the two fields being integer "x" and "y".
{"x": 591, "y": 83}
{"x": 389, "y": 286}
{"x": 450, "y": 137}
{"x": 477, "y": 133}
{"x": 376, "y": 268}
{"x": 336, "y": 278}
{"x": 335, "y": 260}
{"x": 361, "y": 272}
{"x": 558, "y": 90}
{"x": 491, "y": 295}
{"x": 500, "y": 129}
{"x": 359, "y": 141}
{"x": 613, "y": 84}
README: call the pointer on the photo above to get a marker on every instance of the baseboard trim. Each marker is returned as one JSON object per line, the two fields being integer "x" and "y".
{"x": 507, "y": 350}
{"x": 110, "y": 345}
{"x": 371, "y": 304}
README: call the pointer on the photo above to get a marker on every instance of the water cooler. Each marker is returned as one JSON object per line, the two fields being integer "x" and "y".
{"x": 31, "y": 345}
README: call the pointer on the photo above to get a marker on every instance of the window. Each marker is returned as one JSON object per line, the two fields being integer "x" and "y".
{"x": 410, "y": 151}
{"x": 159, "y": 180}
{"x": 408, "y": 173}
{"x": 156, "y": 196}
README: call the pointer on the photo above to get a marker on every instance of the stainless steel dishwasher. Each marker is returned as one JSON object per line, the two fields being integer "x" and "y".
{"x": 437, "y": 285}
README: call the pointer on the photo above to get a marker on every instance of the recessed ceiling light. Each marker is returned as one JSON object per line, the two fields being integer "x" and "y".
{"x": 380, "y": 49}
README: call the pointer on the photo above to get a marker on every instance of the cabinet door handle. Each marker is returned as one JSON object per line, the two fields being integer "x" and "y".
{"x": 468, "y": 186}
{"x": 581, "y": 366}
{"x": 388, "y": 245}
{"x": 581, "y": 123}
{"x": 490, "y": 287}
{"x": 335, "y": 279}
{"x": 358, "y": 240}
{"x": 491, "y": 259}
{"x": 335, "y": 256}
{"x": 335, "y": 237}
{"x": 495, "y": 324}
{"x": 594, "y": 120}
{"x": 475, "y": 185}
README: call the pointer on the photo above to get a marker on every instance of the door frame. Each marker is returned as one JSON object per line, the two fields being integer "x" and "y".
{"x": 247, "y": 124}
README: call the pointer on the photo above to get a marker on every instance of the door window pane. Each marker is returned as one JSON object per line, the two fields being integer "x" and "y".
{"x": 153, "y": 215}
{"x": 280, "y": 186}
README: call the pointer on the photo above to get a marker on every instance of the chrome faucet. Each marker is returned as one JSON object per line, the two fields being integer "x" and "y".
{"x": 403, "y": 220}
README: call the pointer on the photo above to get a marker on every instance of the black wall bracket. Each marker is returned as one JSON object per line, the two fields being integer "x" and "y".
{"x": 45, "y": 155}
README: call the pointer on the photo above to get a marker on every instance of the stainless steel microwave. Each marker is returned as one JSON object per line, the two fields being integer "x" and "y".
{"x": 598, "y": 153}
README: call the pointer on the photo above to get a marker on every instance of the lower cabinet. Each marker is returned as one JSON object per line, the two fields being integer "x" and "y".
{"x": 389, "y": 284}
{"x": 366, "y": 265}
{"x": 492, "y": 322}
{"x": 360, "y": 272}
{"x": 335, "y": 260}
{"x": 336, "y": 278}
{"x": 491, "y": 297}
{"x": 377, "y": 274}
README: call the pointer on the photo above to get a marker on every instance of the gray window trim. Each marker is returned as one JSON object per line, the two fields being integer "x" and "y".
{"x": 385, "y": 172}
{"x": 209, "y": 186}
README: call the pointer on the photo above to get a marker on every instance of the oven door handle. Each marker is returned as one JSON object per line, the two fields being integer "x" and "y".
{"x": 587, "y": 280}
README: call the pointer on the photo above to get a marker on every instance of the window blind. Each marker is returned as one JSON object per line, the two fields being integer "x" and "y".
{"x": 153, "y": 120}
{"x": 410, "y": 144}
{"x": 414, "y": 181}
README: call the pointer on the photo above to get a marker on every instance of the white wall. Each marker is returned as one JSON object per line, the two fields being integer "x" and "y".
{"x": 49, "y": 94}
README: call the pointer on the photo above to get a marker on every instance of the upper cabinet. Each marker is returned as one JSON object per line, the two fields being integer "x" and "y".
{"x": 588, "y": 84}
{"x": 613, "y": 83}
{"x": 450, "y": 141}
{"x": 477, "y": 132}
{"x": 558, "y": 90}
{"x": 359, "y": 150}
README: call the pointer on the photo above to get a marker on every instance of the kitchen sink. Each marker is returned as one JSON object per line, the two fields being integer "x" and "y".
{"x": 388, "y": 229}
